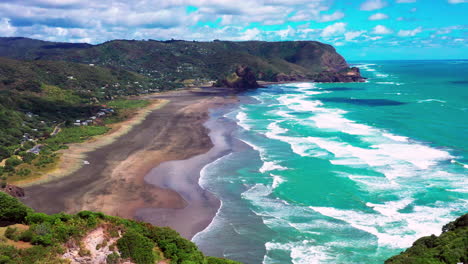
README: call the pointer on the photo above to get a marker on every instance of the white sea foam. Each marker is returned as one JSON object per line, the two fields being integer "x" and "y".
{"x": 432, "y": 100}
{"x": 395, "y": 137}
{"x": 301, "y": 252}
{"x": 383, "y": 75}
{"x": 271, "y": 166}
{"x": 299, "y": 145}
{"x": 277, "y": 180}
{"x": 242, "y": 120}
{"x": 391, "y": 227}
{"x": 392, "y": 83}
{"x": 268, "y": 165}
{"x": 394, "y": 159}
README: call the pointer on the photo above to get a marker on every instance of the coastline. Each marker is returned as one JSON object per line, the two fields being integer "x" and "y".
{"x": 74, "y": 157}
{"x": 183, "y": 176}
{"x": 114, "y": 182}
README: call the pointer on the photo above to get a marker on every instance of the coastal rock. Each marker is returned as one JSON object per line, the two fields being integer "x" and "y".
{"x": 243, "y": 78}
{"x": 13, "y": 190}
{"x": 348, "y": 75}
{"x": 282, "y": 77}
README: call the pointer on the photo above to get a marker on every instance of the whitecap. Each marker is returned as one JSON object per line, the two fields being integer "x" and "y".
{"x": 242, "y": 120}
{"x": 277, "y": 180}
{"x": 271, "y": 166}
{"x": 432, "y": 100}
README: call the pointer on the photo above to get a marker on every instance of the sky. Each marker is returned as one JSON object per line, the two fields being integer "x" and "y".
{"x": 359, "y": 29}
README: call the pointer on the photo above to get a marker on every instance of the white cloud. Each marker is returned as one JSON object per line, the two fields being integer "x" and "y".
{"x": 457, "y": 1}
{"x": 378, "y": 16}
{"x": 370, "y": 5}
{"x": 333, "y": 30}
{"x": 406, "y": 1}
{"x": 6, "y": 29}
{"x": 409, "y": 33}
{"x": 349, "y": 36}
{"x": 332, "y": 17}
{"x": 381, "y": 30}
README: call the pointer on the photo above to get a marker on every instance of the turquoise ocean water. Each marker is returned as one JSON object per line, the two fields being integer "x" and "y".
{"x": 343, "y": 173}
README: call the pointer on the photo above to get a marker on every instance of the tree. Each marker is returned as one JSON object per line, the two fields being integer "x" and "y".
{"x": 12, "y": 211}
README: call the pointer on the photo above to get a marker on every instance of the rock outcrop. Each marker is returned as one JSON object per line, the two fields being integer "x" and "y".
{"x": 242, "y": 79}
{"x": 347, "y": 75}
{"x": 13, "y": 190}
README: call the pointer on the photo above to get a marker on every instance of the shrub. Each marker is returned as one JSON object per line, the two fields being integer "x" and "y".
{"x": 28, "y": 157}
{"x": 5, "y": 260}
{"x": 113, "y": 258}
{"x": 13, "y": 162}
{"x": 26, "y": 236}
{"x": 12, "y": 210}
{"x": 136, "y": 247}
{"x": 37, "y": 218}
{"x": 12, "y": 233}
{"x": 213, "y": 260}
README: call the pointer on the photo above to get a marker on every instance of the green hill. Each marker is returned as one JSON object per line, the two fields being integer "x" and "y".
{"x": 35, "y": 96}
{"x": 176, "y": 61}
{"x": 87, "y": 237}
{"x": 450, "y": 247}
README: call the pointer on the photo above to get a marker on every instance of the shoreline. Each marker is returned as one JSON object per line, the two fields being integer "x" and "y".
{"x": 74, "y": 157}
{"x": 114, "y": 181}
{"x": 183, "y": 176}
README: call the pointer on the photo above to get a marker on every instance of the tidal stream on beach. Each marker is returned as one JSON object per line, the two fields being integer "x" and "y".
{"x": 342, "y": 173}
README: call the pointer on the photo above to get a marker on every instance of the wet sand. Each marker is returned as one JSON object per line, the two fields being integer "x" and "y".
{"x": 114, "y": 182}
{"x": 183, "y": 176}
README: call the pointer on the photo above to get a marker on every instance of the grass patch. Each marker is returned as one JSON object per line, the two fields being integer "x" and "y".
{"x": 124, "y": 109}
{"x": 128, "y": 104}
{"x": 74, "y": 135}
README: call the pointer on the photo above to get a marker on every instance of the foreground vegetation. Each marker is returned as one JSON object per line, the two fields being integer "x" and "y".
{"x": 42, "y": 238}
{"x": 450, "y": 247}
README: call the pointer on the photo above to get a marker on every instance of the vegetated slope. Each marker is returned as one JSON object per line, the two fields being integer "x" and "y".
{"x": 35, "y": 96}
{"x": 450, "y": 247}
{"x": 84, "y": 80}
{"x": 87, "y": 237}
{"x": 185, "y": 60}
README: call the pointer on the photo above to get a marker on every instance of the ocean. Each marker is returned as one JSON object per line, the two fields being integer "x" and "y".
{"x": 342, "y": 172}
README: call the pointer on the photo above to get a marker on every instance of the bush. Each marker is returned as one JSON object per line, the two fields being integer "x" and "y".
{"x": 12, "y": 233}
{"x": 13, "y": 162}
{"x": 26, "y": 236}
{"x": 174, "y": 246}
{"x": 113, "y": 258}
{"x": 38, "y": 218}
{"x": 28, "y": 157}
{"x": 136, "y": 247}
{"x": 12, "y": 210}
{"x": 5, "y": 260}
{"x": 213, "y": 260}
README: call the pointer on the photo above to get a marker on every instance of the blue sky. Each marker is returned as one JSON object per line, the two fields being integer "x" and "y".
{"x": 359, "y": 29}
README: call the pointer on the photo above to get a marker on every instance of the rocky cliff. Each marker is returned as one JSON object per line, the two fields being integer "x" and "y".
{"x": 241, "y": 79}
